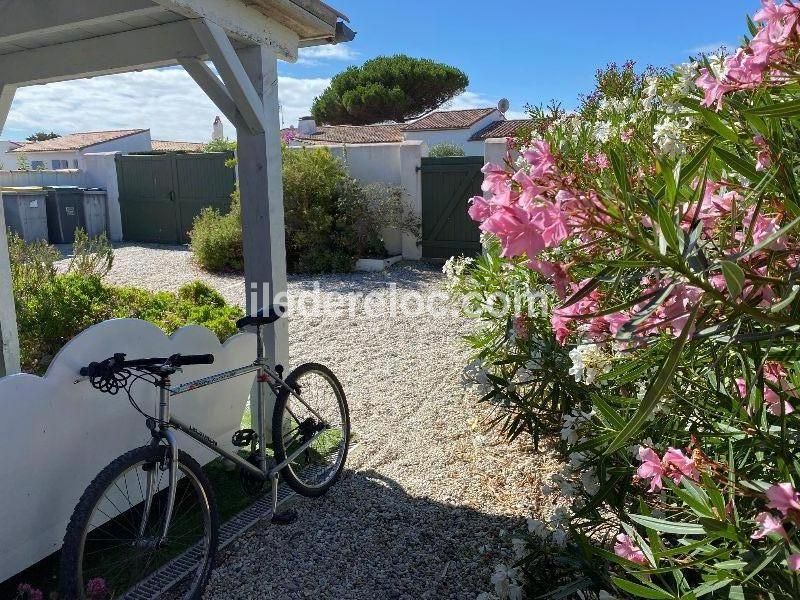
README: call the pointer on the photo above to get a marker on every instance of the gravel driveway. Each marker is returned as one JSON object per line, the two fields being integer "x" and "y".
{"x": 428, "y": 494}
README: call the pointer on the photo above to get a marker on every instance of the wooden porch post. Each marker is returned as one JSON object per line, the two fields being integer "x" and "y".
{"x": 261, "y": 186}
{"x": 9, "y": 348}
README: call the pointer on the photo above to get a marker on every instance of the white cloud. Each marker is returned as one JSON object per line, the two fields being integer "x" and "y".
{"x": 317, "y": 54}
{"x": 167, "y": 101}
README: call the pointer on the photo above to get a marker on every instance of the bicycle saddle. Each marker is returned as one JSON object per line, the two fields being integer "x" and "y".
{"x": 264, "y": 316}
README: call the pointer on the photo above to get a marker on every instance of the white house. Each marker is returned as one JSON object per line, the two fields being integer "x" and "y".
{"x": 468, "y": 129}
{"x": 67, "y": 152}
{"x": 8, "y": 160}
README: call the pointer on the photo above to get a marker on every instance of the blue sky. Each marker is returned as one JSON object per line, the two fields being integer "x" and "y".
{"x": 530, "y": 52}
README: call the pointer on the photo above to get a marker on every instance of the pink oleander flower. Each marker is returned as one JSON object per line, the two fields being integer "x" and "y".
{"x": 539, "y": 156}
{"x": 675, "y": 465}
{"x": 97, "y": 589}
{"x": 793, "y": 562}
{"x": 626, "y": 136}
{"x": 775, "y": 375}
{"x": 783, "y": 497}
{"x": 651, "y": 468}
{"x": 494, "y": 178}
{"x": 28, "y": 592}
{"x": 625, "y": 548}
{"x": 764, "y": 156}
{"x": 768, "y": 524}
{"x": 602, "y": 162}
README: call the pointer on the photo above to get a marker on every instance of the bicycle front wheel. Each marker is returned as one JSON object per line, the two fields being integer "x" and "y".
{"x": 115, "y": 541}
{"x": 317, "y": 413}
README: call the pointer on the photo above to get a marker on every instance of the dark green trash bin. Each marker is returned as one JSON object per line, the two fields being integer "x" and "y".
{"x": 64, "y": 213}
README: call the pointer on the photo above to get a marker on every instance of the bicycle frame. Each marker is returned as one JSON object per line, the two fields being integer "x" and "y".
{"x": 266, "y": 378}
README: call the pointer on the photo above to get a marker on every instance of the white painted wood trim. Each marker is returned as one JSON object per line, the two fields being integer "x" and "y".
{"x": 156, "y": 46}
{"x": 22, "y": 18}
{"x": 213, "y": 87}
{"x": 223, "y": 55}
{"x": 9, "y": 337}
{"x": 243, "y": 22}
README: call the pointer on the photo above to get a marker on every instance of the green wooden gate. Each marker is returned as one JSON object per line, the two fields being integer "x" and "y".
{"x": 161, "y": 194}
{"x": 447, "y": 186}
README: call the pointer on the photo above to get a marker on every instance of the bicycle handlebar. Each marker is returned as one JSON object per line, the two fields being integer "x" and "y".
{"x": 118, "y": 363}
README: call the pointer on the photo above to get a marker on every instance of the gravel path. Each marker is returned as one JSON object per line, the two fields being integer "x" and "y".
{"x": 428, "y": 494}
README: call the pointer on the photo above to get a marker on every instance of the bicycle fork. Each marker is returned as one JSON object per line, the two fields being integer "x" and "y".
{"x": 150, "y": 483}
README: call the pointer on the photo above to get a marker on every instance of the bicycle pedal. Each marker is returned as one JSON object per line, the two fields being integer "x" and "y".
{"x": 244, "y": 437}
{"x": 286, "y": 517}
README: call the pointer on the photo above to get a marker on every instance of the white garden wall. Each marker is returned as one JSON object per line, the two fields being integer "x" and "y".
{"x": 394, "y": 164}
{"x": 42, "y": 178}
{"x": 57, "y": 435}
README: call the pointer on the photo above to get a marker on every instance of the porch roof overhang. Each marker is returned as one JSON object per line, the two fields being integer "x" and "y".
{"x": 54, "y": 40}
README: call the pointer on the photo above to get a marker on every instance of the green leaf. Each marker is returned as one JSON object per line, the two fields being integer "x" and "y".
{"x": 711, "y": 586}
{"x": 740, "y": 165}
{"x": 665, "y": 526}
{"x": 779, "y": 109}
{"x": 734, "y": 277}
{"x": 668, "y": 229}
{"x": 640, "y": 591}
{"x": 654, "y": 393}
{"x": 713, "y": 121}
{"x": 620, "y": 171}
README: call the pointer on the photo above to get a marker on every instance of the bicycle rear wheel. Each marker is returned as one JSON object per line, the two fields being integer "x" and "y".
{"x": 319, "y": 415}
{"x": 114, "y": 540}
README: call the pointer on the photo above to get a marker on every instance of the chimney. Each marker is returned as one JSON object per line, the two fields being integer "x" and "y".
{"x": 218, "y": 134}
{"x": 307, "y": 126}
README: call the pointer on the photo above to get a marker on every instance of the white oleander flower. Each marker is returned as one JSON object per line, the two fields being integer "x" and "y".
{"x": 560, "y": 538}
{"x": 520, "y": 547}
{"x": 537, "y": 527}
{"x": 590, "y": 482}
{"x": 502, "y": 579}
{"x": 604, "y": 595}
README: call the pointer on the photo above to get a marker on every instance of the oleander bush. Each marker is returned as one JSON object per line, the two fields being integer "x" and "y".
{"x": 445, "y": 150}
{"x": 53, "y": 307}
{"x": 639, "y": 295}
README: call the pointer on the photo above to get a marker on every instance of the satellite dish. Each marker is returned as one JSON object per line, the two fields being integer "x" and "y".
{"x": 503, "y": 105}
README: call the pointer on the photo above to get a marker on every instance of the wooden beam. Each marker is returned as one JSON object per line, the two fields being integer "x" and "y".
{"x": 243, "y": 23}
{"x": 21, "y": 18}
{"x": 9, "y": 337}
{"x": 214, "y": 88}
{"x": 261, "y": 186}
{"x": 239, "y": 86}
{"x": 156, "y": 46}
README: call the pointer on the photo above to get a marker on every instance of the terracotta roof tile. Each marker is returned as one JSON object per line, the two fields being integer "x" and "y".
{"x": 351, "y": 134}
{"x": 500, "y": 129}
{"x": 168, "y": 146}
{"x": 449, "y": 119}
{"x": 77, "y": 141}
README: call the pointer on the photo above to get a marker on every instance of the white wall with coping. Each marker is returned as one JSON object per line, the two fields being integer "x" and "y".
{"x": 459, "y": 137}
{"x": 101, "y": 171}
{"x": 495, "y": 151}
{"x": 61, "y": 434}
{"x": 43, "y": 178}
{"x": 395, "y": 164}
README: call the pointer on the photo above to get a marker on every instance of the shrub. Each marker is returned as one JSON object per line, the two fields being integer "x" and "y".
{"x": 445, "y": 150}
{"x": 216, "y": 239}
{"x": 661, "y": 224}
{"x": 331, "y": 220}
{"x": 53, "y": 308}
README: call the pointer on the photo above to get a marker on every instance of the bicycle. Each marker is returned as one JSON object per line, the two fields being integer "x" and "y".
{"x": 154, "y": 506}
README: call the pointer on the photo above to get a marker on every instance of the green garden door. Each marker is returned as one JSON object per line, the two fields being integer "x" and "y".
{"x": 447, "y": 186}
{"x": 161, "y": 194}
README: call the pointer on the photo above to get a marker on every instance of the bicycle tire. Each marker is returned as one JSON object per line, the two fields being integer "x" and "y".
{"x": 71, "y": 578}
{"x": 289, "y": 474}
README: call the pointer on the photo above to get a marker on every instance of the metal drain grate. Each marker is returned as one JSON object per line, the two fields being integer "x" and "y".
{"x": 178, "y": 568}
{"x": 172, "y": 573}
